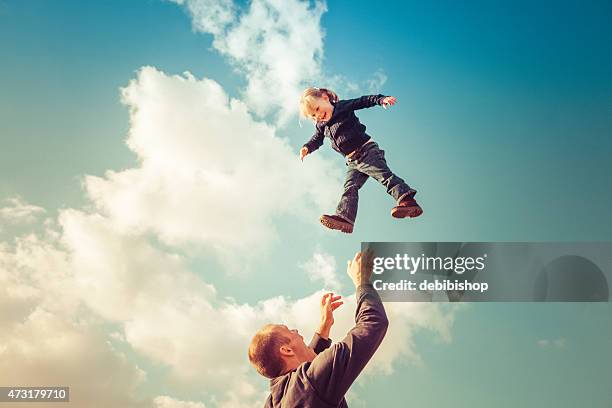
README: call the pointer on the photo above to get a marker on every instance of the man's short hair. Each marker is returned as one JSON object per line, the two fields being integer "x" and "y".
{"x": 264, "y": 351}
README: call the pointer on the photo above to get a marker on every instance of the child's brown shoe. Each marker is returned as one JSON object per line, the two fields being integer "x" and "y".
{"x": 408, "y": 207}
{"x": 336, "y": 223}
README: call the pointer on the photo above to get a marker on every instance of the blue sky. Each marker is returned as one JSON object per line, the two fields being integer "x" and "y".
{"x": 503, "y": 125}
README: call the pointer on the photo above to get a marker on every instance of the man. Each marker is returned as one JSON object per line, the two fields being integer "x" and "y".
{"x": 318, "y": 376}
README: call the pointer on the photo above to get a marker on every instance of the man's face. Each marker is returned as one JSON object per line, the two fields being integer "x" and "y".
{"x": 296, "y": 343}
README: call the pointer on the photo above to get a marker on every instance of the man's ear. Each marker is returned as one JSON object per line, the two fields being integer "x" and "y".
{"x": 286, "y": 350}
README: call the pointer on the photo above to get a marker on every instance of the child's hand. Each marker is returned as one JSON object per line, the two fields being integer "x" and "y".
{"x": 389, "y": 100}
{"x": 303, "y": 153}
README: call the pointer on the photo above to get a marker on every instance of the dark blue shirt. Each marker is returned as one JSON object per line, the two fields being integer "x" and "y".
{"x": 343, "y": 127}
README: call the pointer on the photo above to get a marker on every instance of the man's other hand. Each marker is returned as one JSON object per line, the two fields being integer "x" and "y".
{"x": 360, "y": 268}
{"x": 329, "y": 303}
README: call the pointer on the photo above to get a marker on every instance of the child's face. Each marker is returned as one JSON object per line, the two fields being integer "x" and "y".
{"x": 322, "y": 109}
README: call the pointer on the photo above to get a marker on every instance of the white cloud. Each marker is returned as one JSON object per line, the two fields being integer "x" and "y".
{"x": 406, "y": 319}
{"x": 46, "y": 339}
{"x": 543, "y": 343}
{"x": 354, "y": 401}
{"x": 168, "y": 402}
{"x": 244, "y": 394}
{"x": 375, "y": 84}
{"x": 552, "y": 343}
{"x": 19, "y": 211}
{"x": 148, "y": 302}
{"x": 153, "y": 304}
{"x": 47, "y": 349}
{"x": 210, "y": 16}
{"x": 209, "y": 173}
{"x": 322, "y": 267}
{"x": 166, "y": 313}
{"x": 276, "y": 44}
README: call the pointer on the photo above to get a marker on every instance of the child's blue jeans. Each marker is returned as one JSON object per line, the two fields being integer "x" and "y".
{"x": 368, "y": 161}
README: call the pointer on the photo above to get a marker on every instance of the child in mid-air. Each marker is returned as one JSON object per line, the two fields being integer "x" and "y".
{"x": 336, "y": 119}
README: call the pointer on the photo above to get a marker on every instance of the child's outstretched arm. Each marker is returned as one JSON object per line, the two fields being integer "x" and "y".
{"x": 368, "y": 101}
{"x": 313, "y": 144}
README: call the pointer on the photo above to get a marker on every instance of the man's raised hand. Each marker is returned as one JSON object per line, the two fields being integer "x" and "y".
{"x": 329, "y": 303}
{"x": 360, "y": 268}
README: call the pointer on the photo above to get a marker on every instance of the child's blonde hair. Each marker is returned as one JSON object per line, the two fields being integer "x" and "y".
{"x": 308, "y": 97}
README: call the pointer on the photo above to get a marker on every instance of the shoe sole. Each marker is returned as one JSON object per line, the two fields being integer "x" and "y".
{"x": 403, "y": 212}
{"x": 336, "y": 225}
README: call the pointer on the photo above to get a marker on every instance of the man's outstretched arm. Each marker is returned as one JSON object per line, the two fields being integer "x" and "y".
{"x": 334, "y": 370}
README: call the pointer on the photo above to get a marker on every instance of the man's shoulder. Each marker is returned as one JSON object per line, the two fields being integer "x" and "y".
{"x": 324, "y": 363}
{"x": 294, "y": 389}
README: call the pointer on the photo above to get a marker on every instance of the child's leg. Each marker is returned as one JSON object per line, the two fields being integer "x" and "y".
{"x": 372, "y": 162}
{"x": 347, "y": 207}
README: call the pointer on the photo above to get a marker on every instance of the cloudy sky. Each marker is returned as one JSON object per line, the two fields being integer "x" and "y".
{"x": 154, "y": 211}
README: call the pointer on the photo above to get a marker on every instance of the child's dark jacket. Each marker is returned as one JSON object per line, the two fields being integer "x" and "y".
{"x": 343, "y": 128}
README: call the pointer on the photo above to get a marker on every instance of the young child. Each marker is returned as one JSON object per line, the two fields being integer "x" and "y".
{"x": 336, "y": 119}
